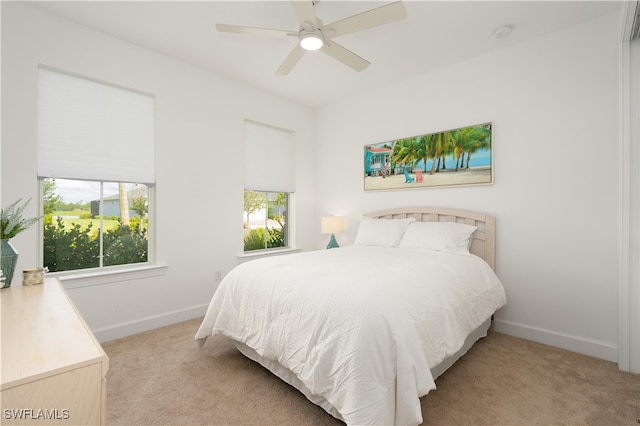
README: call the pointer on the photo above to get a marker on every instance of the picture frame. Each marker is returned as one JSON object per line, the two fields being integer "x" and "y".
{"x": 463, "y": 157}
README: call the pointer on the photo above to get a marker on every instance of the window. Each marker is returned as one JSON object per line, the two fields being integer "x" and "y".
{"x": 94, "y": 224}
{"x": 269, "y": 184}
{"x": 97, "y": 172}
{"x": 265, "y": 220}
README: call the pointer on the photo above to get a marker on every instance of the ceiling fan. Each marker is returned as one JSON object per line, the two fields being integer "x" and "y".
{"x": 312, "y": 34}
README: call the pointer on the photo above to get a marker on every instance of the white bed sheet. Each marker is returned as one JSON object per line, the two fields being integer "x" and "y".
{"x": 359, "y": 326}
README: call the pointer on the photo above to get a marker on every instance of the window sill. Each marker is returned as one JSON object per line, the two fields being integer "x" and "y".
{"x": 266, "y": 253}
{"x": 80, "y": 279}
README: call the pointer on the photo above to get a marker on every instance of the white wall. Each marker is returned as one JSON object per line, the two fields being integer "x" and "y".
{"x": 199, "y": 118}
{"x": 554, "y": 104}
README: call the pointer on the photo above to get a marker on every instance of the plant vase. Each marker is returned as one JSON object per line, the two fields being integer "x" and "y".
{"x": 8, "y": 261}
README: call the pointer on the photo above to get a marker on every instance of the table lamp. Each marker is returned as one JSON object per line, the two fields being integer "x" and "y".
{"x": 331, "y": 225}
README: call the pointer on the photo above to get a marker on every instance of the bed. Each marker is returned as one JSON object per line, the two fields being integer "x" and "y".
{"x": 364, "y": 330}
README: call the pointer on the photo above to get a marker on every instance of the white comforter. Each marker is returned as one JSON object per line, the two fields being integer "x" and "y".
{"x": 359, "y": 326}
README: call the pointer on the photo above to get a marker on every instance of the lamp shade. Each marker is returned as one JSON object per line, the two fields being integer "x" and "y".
{"x": 331, "y": 225}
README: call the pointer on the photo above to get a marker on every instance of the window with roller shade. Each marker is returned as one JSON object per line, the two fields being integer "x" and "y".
{"x": 268, "y": 187}
{"x": 96, "y": 150}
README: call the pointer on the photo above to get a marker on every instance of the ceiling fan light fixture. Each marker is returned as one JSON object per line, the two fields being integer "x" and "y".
{"x": 311, "y": 41}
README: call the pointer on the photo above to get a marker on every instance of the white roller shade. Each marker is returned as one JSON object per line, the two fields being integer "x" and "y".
{"x": 94, "y": 131}
{"x": 269, "y": 158}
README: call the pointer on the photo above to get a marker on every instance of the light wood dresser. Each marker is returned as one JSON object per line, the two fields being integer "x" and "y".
{"x": 52, "y": 368}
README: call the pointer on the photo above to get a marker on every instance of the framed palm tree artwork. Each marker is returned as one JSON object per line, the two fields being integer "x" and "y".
{"x": 449, "y": 158}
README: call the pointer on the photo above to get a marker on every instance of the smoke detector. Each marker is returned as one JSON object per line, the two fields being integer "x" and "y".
{"x": 502, "y": 31}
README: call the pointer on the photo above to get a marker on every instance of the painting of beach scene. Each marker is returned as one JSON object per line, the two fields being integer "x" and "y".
{"x": 452, "y": 157}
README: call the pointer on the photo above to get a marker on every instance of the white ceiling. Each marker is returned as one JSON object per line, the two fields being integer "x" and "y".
{"x": 435, "y": 34}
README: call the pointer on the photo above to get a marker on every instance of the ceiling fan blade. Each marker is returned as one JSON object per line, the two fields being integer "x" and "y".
{"x": 372, "y": 18}
{"x": 345, "y": 56}
{"x": 240, "y": 29}
{"x": 304, "y": 12}
{"x": 291, "y": 60}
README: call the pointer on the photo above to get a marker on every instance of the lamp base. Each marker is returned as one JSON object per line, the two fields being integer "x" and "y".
{"x": 332, "y": 242}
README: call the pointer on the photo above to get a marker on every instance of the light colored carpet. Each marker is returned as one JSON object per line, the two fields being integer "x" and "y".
{"x": 160, "y": 377}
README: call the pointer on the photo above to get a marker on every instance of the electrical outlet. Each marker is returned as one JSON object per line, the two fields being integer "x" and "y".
{"x": 218, "y": 275}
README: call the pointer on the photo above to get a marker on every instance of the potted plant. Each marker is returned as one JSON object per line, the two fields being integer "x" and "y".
{"x": 11, "y": 224}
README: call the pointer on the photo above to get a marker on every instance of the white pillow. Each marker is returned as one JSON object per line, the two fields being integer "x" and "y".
{"x": 381, "y": 232}
{"x": 448, "y": 237}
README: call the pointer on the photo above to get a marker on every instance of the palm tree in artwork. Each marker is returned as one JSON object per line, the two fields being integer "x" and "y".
{"x": 440, "y": 144}
{"x": 449, "y": 146}
{"x": 461, "y": 137}
{"x": 469, "y": 140}
{"x": 458, "y": 154}
{"x": 405, "y": 151}
{"x": 479, "y": 138}
{"x": 423, "y": 149}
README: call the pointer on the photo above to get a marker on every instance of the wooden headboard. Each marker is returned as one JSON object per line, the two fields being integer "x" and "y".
{"x": 484, "y": 238}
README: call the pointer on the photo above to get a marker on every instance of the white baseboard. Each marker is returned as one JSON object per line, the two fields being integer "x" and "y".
{"x": 594, "y": 348}
{"x": 129, "y": 328}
